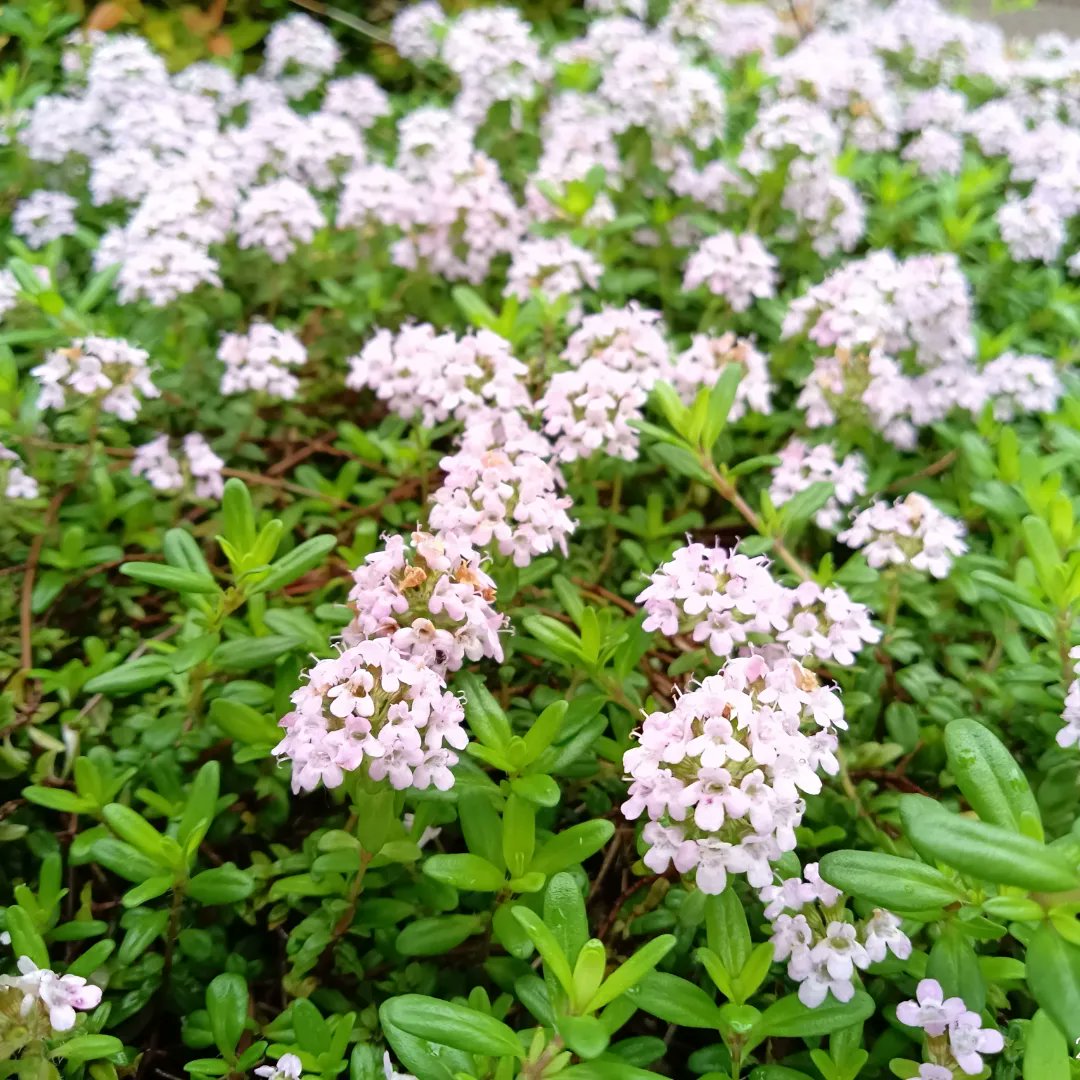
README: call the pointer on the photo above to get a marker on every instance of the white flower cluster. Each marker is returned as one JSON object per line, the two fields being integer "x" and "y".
{"x": 418, "y": 371}
{"x": 107, "y": 371}
{"x": 1069, "y": 735}
{"x": 155, "y": 461}
{"x": 501, "y": 493}
{"x": 16, "y": 482}
{"x": 720, "y": 775}
{"x": 909, "y": 532}
{"x": 46, "y": 995}
{"x": 725, "y": 601}
{"x": 812, "y": 931}
{"x": 261, "y": 360}
{"x": 553, "y": 268}
{"x": 735, "y": 266}
{"x": 430, "y": 599}
{"x": 802, "y": 465}
{"x": 44, "y": 216}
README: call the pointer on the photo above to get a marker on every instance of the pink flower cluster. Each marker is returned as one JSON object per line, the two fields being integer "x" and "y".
{"x": 812, "y": 931}
{"x": 108, "y": 371}
{"x": 721, "y": 775}
{"x": 955, "y": 1035}
{"x": 165, "y": 473}
{"x": 909, "y": 532}
{"x": 701, "y": 365}
{"x": 735, "y": 266}
{"x": 725, "y": 601}
{"x": 46, "y": 994}
{"x": 589, "y": 410}
{"x": 802, "y": 465}
{"x": 438, "y": 376}
{"x": 626, "y": 339}
{"x": 430, "y": 599}
{"x": 261, "y": 360}
{"x": 501, "y": 493}
{"x": 373, "y": 709}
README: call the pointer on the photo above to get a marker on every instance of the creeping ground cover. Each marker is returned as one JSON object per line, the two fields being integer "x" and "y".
{"x": 538, "y": 543}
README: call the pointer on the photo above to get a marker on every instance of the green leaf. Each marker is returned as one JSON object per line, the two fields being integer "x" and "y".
{"x": 901, "y": 885}
{"x": 437, "y": 935}
{"x": 990, "y": 778}
{"x": 447, "y": 1024}
{"x": 675, "y": 1001}
{"x": 721, "y": 398}
{"x": 238, "y": 516}
{"x": 540, "y": 789}
{"x": 85, "y": 965}
{"x": 474, "y": 307}
{"x": 67, "y": 802}
{"x": 465, "y": 872}
{"x": 635, "y": 969}
{"x": 25, "y": 939}
{"x": 790, "y": 1018}
{"x": 485, "y": 716}
{"x": 226, "y": 884}
{"x": 545, "y": 730}
{"x": 244, "y": 723}
{"x": 147, "y": 891}
{"x": 607, "y": 1070}
{"x": 120, "y": 858}
{"x": 585, "y": 1035}
{"x": 1044, "y": 554}
{"x": 955, "y": 966}
{"x": 227, "y": 1007}
{"x": 518, "y": 834}
{"x": 138, "y": 674}
{"x": 88, "y": 1048}
{"x": 135, "y": 830}
{"x": 243, "y": 654}
{"x": 727, "y": 930}
{"x": 985, "y": 852}
{"x": 1046, "y": 1053}
{"x": 1053, "y": 974}
{"x": 169, "y": 577}
{"x": 572, "y": 846}
{"x": 564, "y": 915}
{"x": 200, "y": 807}
{"x": 555, "y": 960}
{"x": 295, "y": 564}
{"x": 181, "y": 551}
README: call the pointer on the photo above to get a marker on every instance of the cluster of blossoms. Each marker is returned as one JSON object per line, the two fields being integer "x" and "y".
{"x": 418, "y": 371}
{"x": 1069, "y": 735}
{"x": 155, "y": 461}
{"x": 261, "y": 360}
{"x": 554, "y": 268}
{"x": 955, "y": 1037}
{"x": 501, "y": 493}
{"x": 373, "y": 708}
{"x": 811, "y": 929}
{"x": 802, "y": 465}
{"x": 44, "y": 216}
{"x": 15, "y": 481}
{"x": 48, "y": 1001}
{"x": 735, "y": 266}
{"x": 701, "y": 365}
{"x": 726, "y": 600}
{"x": 107, "y": 371}
{"x": 909, "y": 532}
{"x": 720, "y": 775}
{"x": 626, "y": 340}
{"x": 430, "y": 599}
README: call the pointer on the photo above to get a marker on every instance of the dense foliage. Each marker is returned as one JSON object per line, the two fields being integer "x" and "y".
{"x": 539, "y": 546}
